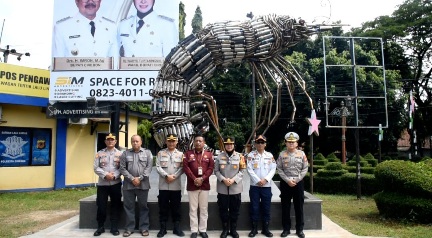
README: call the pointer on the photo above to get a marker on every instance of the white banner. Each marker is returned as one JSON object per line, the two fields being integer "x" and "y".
{"x": 104, "y": 86}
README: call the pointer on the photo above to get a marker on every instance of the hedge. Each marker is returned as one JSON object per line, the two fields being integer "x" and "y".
{"x": 395, "y": 205}
{"x": 405, "y": 177}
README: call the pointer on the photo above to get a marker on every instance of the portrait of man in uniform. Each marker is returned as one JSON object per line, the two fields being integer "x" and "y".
{"x": 146, "y": 33}
{"x": 86, "y": 34}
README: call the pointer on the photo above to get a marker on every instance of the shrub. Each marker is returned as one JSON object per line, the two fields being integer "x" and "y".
{"x": 320, "y": 162}
{"x": 333, "y": 158}
{"x": 408, "y": 207}
{"x": 405, "y": 177}
{"x": 354, "y": 163}
{"x": 387, "y": 158}
{"x": 330, "y": 173}
{"x": 369, "y": 156}
{"x": 319, "y": 156}
{"x": 334, "y": 166}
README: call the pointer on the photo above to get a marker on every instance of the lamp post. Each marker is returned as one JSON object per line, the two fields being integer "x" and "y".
{"x": 343, "y": 112}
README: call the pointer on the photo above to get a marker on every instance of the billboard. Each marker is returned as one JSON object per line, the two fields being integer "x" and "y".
{"x": 110, "y": 50}
{"x": 24, "y": 81}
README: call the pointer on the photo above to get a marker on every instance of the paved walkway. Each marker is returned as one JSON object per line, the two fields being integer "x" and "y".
{"x": 69, "y": 228}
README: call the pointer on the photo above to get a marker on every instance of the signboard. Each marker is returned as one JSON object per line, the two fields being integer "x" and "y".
{"x": 78, "y": 110}
{"x": 24, "y": 81}
{"x": 110, "y": 50}
{"x": 20, "y": 146}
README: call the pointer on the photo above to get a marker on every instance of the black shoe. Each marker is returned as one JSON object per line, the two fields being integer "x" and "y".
{"x": 300, "y": 234}
{"x": 194, "y": 235}
{"x": 115, "y": 232}
{"x": 99, "y": 231}
{"x": 204, "y": 234}
{"x": 285, "y": 233}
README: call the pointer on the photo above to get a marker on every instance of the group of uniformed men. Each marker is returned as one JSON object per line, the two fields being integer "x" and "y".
{"x": 198, "y": 164}
{"x": 87, "y": 34}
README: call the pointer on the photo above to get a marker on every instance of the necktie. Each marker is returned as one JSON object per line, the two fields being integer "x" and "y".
{"x": 140, "y": 24}
{"x": 93, "y": 28}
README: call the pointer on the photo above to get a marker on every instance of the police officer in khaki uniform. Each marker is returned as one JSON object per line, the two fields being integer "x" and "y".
{"x": 169, "y": 165}
{"x": 229, "y": 168}
{"x": 106, "y": 166}
{"x": 86, "y": 34}
{"x": 292, "y": 166}
{"x": 261, "y": 167}
{"x": 136, "y": 166}
{"x": 146, "y": 34}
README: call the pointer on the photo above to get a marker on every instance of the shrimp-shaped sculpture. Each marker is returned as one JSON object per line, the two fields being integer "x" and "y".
{"x": 259, "y": 42}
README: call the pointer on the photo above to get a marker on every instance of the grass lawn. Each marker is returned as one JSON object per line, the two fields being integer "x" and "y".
{"x": 361, "y": 217}
{"x": 26, "y": 213}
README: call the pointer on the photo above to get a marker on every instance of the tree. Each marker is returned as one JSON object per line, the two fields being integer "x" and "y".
{"x": 410, "y": 26}
{"x": 197, "y": 21}
{"x": 182, "y": 21}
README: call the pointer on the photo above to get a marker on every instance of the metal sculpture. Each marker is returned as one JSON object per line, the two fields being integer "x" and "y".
{"x": 259, "y": 42}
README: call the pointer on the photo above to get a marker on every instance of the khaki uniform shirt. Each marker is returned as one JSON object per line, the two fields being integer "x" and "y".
{"x": 229, "y": 167}
{"x": 168, "y": 163}
{"x": 292, "y": 166}
{"x": 105, "y": 162}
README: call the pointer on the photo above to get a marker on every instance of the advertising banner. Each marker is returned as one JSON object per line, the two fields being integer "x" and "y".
{"x": 110, "y": 50}
{"x": 24, "y": 81}
{"x": 20, "y": 146}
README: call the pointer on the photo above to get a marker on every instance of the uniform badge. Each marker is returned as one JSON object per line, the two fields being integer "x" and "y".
{"x": 74, "y": 52}
{"x": 222, "y": 166}
{"x": 125, "y": 35}
{"x": 235, "y": 166}
{"x": 163, "y": 163}
{"x": 255, "y": 166}
{"x": 205, "y": 156}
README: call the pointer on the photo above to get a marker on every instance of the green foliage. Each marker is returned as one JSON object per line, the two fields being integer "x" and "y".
{"x": 354, "y": 163}
{"x": 197, "y": 21}
{"x": 319, "y": 156}
{"x": 182, "y": 21}
{"x": 408, "y": 207}
{"x": 144, "y": 128}
{"x": 334, "y": 166}
{"x": 320, "y": 162}
{"x": 330, "y": 173}
{"x": 405, "y": 177}
{"x": 369, "y": 156}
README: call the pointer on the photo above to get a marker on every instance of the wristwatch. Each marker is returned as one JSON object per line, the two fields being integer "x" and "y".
{"x": 141, "y": 177}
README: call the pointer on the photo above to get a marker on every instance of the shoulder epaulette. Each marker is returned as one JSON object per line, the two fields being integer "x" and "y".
{"x": 63, "y": 19}
{"x": 106, "y": 19}
{"x": 166, "y": 18}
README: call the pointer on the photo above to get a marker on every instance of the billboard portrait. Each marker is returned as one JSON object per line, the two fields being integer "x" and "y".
{"x": 20, "y": 146}
{"x": 110, "y": 49}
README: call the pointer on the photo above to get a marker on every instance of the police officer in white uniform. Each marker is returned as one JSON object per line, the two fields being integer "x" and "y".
{"x": 85, "y": 34}
{"x": 261, "y": 167}
{"x": 292, "y": 166}
{"x": 147, "y": 34}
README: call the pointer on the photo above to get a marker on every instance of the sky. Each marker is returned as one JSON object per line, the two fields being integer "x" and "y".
{"x": 27, "y": 24}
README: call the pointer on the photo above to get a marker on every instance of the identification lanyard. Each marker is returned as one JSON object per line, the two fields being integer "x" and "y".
{"x": 200, "y": 169}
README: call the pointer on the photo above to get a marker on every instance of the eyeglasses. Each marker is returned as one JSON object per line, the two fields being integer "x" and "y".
{"x": 260, "y": 142}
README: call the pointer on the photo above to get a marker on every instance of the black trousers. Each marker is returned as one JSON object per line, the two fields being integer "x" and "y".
{"x": 169, "y": 201}
{"x": 295, "y": 193}
{"x": 114, "y": 192}
{"x": 229, "y": 207}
